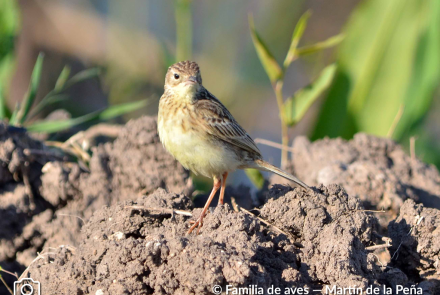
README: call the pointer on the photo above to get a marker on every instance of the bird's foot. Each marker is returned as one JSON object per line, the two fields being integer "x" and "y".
{"x": 198, "y": 223}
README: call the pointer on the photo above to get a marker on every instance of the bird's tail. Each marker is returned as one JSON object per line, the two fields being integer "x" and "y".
{"x": 263, "y": 165}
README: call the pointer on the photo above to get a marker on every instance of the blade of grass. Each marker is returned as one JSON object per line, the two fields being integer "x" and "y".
{"x": 106, "y": 114}
{"x": 81, "y": 76}
{"x": 14, "y": 113}
{"x": 297, "y": 35}
{"x": 62, "y": 84}
{"x": 330, "y": 42}
{"x": 31, "y": 94}
{"x": 295, "y": 107}
{"x": 45, "y": 102}
{"x": 270, "y": 65}
{"x": 62, "y": 79}
{"x": 3, "y": 112}
{"x": 121, "y": 109}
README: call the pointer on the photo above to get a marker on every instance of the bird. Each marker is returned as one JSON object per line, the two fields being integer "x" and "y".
{"x": 200, "y": 133}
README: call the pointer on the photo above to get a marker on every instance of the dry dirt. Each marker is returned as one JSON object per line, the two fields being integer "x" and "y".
{"x": 99, "y": 231}
{"x": 376, "y": 170}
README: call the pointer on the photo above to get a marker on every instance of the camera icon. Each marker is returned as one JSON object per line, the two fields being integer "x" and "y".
{"x": 27, "y": 286}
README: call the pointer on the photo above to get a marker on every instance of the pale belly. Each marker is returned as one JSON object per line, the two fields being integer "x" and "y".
{"x": 196, "y": 151}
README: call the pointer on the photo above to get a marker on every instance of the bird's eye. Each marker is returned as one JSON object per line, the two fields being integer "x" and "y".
{"x": 176, "y": 76}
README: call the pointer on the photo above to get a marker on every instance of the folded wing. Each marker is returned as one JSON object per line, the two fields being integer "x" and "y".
{"x": 217, "y": 121}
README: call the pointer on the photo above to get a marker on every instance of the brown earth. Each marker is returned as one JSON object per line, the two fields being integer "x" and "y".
{"x": 376, "y": 170}
{"x": 99, "y": 231}
{"x": 65, "y": 195}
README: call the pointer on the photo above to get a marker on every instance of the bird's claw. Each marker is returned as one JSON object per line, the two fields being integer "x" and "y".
{"x": 198, "y": 223}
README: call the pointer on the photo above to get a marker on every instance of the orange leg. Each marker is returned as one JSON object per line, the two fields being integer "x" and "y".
{"x": 199, "y": 222}
{"x": 222, "y": 190}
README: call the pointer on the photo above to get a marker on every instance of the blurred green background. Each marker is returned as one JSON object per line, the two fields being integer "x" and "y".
{"x": 385, "y": 80}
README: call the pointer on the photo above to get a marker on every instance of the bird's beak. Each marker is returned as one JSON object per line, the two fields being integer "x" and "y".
{"x": 191, "y": 80}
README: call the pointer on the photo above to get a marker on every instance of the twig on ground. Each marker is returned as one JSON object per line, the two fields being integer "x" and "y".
{"x": 375, "y": 211}
{"x": 419, "y": 219}
{"x": 260, "y": 219}
{"x": 41, "y": 256}
{"x": 378, "y": 260}
{"x": 102, "y": 129}
{"x": 8, "y": 272}
{"x": 34, "y": 152}
{"x": 7, "y": 287}
{"x": 71, "y": 215}
{"x": 387, "y": 244}
{"x": 234, "y": 205}
{"x": 162, "y": 210}
{"x": 375, "y": 247}
{"x": 81, "y": 154}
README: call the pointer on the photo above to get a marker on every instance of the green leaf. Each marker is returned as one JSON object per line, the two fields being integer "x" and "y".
{"x": 14, "y": 113}
{"x": 425, "y": 75}
{"x": 82, "y": 76}
{"x": 295, "y": 107}
{"x": 256, "y": 177}
{"x": 62, "y": 84}
{"x": 270, "y": 65}
{"x": 3, "y": 107}
{"x": 121, "y": 109}
{"x": 330, "y": 42}
{"x": 106, "y": 114}
{"x": 383, "y": 64}
{"x": 297, "y": 35}
{"x": 9, "y": 17}
{"x": 28, "y": 101}
{"x": 45, "y": 102}
{"x": 9, "y": 28}
{"x": 7, "y": 68}
{"x": 62, "y": 79}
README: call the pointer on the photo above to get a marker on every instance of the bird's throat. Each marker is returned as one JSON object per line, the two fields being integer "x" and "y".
{"x": 185, "y": 93}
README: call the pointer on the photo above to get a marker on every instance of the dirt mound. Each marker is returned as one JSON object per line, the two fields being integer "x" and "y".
{"x": 332, "y": 229}
{"x": 416, "y": 242}
{"x": 130, "y": 249}
{"x": 45, "y": 200}
{"x": 21, "y": 160}
{"x": 134, "y": 164}
{"x": 376, "y": 170}
{"x": 95, "y": 239}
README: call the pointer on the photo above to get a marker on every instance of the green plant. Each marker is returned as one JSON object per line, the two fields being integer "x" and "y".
{"x": 9, "y": 26}
{"x": 25, "y": 111}
{"x": 293, "y": 108}
{"x": 183, "y": 19}
{"x": 383, "y": 65}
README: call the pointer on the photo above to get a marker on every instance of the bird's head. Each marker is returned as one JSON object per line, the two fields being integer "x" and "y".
{"x": 183, "y": 78}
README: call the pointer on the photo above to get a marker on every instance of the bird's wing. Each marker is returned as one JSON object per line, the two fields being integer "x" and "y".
{"x": 218, "y": 121}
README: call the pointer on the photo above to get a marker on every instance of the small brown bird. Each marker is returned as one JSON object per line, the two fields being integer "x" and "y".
{"x": 198, "y": 130}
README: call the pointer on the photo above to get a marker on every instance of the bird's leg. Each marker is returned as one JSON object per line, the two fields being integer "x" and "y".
{"x": 222, "y": 190}
{"x": 199, "y": 222}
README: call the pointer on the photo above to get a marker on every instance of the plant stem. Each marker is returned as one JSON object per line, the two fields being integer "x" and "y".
{"x": 278, "y": 88}
{"x": 7, "y": 287}
{"x": 183, "y": 29}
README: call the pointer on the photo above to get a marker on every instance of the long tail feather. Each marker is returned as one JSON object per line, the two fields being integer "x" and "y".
{"x": 263, "y": 165}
